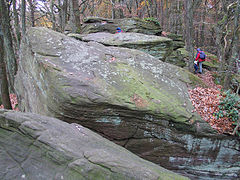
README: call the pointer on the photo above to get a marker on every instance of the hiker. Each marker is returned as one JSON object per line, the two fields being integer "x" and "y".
{"x": 119, "y": 30}
{"x": 195, "y": 67}
{"x": 200, "y": 57}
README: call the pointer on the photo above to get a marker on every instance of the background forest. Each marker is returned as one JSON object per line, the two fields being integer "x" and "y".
{"x": 212, "y": 25}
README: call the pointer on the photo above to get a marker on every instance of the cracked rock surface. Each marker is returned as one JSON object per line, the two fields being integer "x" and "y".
{"x": 167, "y": 51}
{"x": 57, "y": 73}
{"x": 157, "y": 46}
{"x": 96, "y": 24}
{"x": 39, "y": 147}
{"x": 127, "y": 96}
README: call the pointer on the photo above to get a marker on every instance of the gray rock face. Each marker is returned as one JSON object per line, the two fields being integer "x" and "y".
{"x": 157, "y": 46}
{"x": 59, "y": 75}
{"x": 126, "y": 95}
{"x": 202, "y": 158}
{"x": 96, "y": 24}
{"x": 38, "y": 147}
{"x": 134, "y": 25}
{"x": 165, "y": 51}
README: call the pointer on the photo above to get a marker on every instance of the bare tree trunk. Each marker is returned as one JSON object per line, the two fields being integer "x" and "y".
{"x": 202, "y": 35}
{"x": 93, "y": 8}
{"x": 138, "y": 14}
{"x": 16, "y": 24}
{"x": 155, "y": 7}
{"x": 23, "y": 16}
{"x": 52, "y": 15}
{"x": 197, "y": 35}
{"x": 32, "y": 9}
{"x": 219, "y": 35}
{"x": 180, "y": 18}
{"x": 129, "y": 7}
{"x": 162, "y": 13}
{"x": 167, "y": 16}
{"x": 74, "y": 16}
{"x": 148, "y": 5}
{"x": 189, "y": 31}
{"x": 235, "y": 50}
{"x": 113, "y": 9}
{"x": 6, "y": 28}
{"x": 175, "y": 16}
{"x": 63, "y": 9}
{"x": 4, "y": 82}
{"x": 65, "y": 12}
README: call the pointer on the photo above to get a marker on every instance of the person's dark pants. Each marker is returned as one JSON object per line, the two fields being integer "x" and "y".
{"x": 196, "y": 68}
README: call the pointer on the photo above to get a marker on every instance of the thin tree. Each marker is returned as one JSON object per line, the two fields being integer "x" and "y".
{"x": 188, "y": 5}
{"x": 16, "y": 24}
{"x": 162, "y": 13}
{"x": 167, "y": 15}
{"x": 6, "y": 29}
{"x": 23, "y": 17}
{"x": 32, "y": 10}
{"x": 220, "y": 28}
{"x": 202, "y": 29}
{"x": 74, "y": 16}
{"x": 113, "y": 9}
{"x": 3, "y": 76}
{"x": 234, "y": 44}
{"x": 52, "y": 15}
{"x": 63, "y": 10}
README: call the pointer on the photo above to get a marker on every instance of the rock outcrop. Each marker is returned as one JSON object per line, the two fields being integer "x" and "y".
{"x": 59, "y": 76}
{"x": 125, "y": 95}
{"x": 169, "y": 48}
{"x": 96, "y": 24}
{"x": 38, "y": 147}
{"x": 157, "y": 46}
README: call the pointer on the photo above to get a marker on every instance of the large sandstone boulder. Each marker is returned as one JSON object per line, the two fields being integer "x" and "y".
{"x": 39, "y": 148}
{"x": 97, "y": 24}
{"x": 157, "y": 46}
{"x": 60, "y": 76}
{"x": 135, "y": 25}
{"x": 126, "y": 95}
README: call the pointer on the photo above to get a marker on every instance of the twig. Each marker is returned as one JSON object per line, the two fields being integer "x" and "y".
{"x": 236, "y": 128}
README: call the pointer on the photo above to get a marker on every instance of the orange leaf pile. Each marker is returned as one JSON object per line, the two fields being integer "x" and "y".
{"x": 208, "y": 80}
{"x": 206, "y": 101}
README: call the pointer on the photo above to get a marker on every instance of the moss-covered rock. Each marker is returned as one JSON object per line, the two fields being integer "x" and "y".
{"x": 124, "y": 94}
{"x": 148, "y": 26}
{"x": 183, "y": 52}
{"x": 211, "y": 63}
{"x": 97, "y": 24}
{"x": 58, "y": 61}
{"x": 38, "y": 147}
{"x": 176, "y": 58}
{"x": 159, "y": 47}
{"x": 211, "y": 66}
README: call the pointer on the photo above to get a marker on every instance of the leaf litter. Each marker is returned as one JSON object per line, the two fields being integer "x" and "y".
{"x": 206, "y": 102}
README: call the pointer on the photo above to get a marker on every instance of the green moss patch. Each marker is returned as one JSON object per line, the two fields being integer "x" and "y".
{"x": 210, "y": 64}
{"x": 183, "y": 52}
{"x": 141, "y": 94}
{"x": 191, "y": 79}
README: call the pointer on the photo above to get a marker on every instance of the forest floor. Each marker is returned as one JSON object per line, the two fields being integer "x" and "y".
{"x": 204, "y": 100}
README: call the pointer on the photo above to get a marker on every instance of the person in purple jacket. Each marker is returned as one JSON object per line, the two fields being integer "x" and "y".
{"x": 200, "y": 57}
